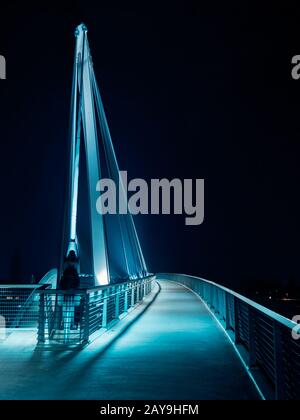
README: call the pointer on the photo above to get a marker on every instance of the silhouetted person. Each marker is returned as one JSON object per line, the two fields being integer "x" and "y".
{"x": 70, "y": 278}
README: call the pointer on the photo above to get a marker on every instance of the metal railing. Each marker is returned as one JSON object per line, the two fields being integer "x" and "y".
{"x": 262, "y": 337}
{"x": 19, "y": 305}
{"x": 73, "y": 318}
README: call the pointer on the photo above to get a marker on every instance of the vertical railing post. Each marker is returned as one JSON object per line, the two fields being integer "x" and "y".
{"x": 207, "y": 294}
{"x": 149, "y": 283}
{"x": 117, "y": 302}
{"x": 140, "y": 291}
{"x": 104, "y": 313}
{"x": 41, "y": 327}
{"x": 217, "y": 302}
{"x": 126, "y": 299}
{"x": 252, "y": 343}
{"x": 86, "y": 318}
{"x": 236, "y": 322}
{"x": 197, "y": 287}
{"x": 279, "y": 363}
{"x": 227, "y": 312}
{"x": 132, "y": 295}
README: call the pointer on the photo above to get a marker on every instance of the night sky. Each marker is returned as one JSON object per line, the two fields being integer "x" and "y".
{"x": 190, "y": 91}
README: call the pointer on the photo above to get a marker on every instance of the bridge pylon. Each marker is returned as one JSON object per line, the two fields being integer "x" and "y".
{"x": 115, "y": 251}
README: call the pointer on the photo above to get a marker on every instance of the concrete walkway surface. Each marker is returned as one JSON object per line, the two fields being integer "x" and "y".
{"x": 175, "y": 350}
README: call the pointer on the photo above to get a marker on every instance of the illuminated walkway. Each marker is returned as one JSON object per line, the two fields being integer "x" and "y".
{"x": 175, "y": 350}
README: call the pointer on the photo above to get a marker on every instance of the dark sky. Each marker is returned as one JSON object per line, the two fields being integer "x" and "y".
{"x": 190, "y": 91}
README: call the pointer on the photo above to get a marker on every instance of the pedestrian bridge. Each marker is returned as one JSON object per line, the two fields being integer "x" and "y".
{"x": 174, "y": 344}
{"x": 100, "y": 326}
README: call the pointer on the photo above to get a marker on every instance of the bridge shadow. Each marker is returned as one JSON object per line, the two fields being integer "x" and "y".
{"x": 175, "y": 351}
{"x": 60, "y": 360}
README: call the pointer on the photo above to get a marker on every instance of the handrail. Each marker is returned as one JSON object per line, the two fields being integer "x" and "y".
{"x": 262, "y": 338}
{"x": 277, "y": 317}
{"x": 19, "y": 286}
{"x": 72, "y": 317}
{"x": 97, "y": 288}
{"x": 48, "y": 280}
{"x": 25, "y": 307}
{"x": 108, "y": 286}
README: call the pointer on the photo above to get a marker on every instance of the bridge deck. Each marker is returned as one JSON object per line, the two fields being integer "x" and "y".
{"x": 176, "y": 350}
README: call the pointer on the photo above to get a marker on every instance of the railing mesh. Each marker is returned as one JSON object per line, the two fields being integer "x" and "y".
{"x": 272, "y": 353}
{"x": 19, "y": 305}
{"x": 69, "y": 318}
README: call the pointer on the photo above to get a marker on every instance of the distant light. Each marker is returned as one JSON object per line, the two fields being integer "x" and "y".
{"x": 102, "y": 278}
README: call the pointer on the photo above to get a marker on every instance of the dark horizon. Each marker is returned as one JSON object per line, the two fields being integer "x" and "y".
{"x": 188, "y": 93}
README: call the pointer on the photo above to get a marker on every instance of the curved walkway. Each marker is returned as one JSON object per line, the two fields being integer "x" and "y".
{"x": 175, "y": 350}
